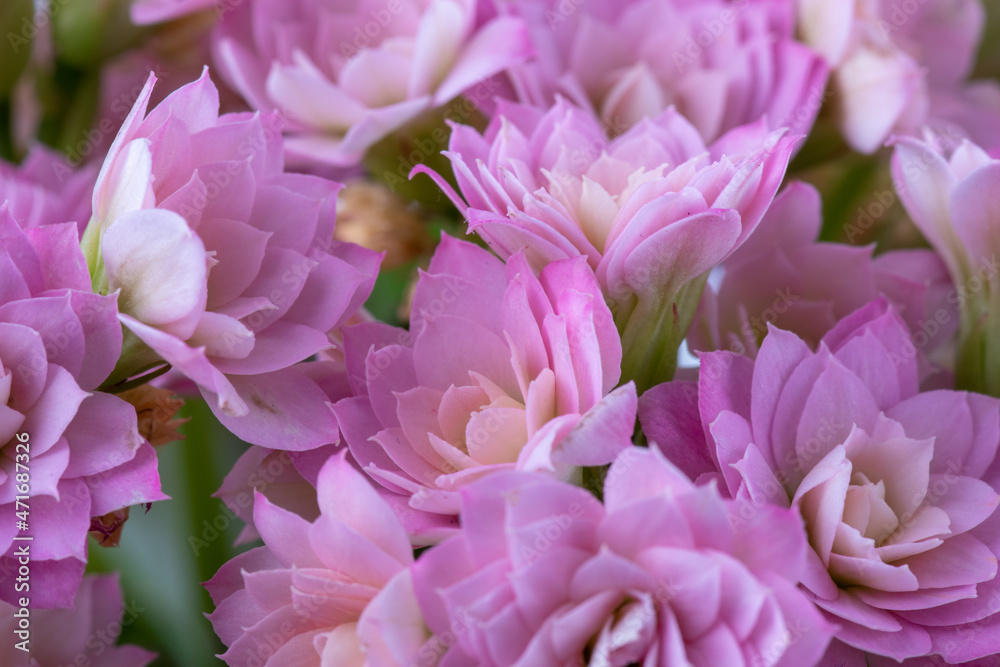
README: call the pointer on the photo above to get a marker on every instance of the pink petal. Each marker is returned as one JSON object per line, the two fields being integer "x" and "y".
{"x": 287, "y": 410}
{"x": 499, "y": 44}
{"x": 285, "y": 533}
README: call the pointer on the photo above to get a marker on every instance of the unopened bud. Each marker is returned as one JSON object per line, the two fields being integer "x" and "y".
{"x": 107, "y": 529}
{"x": 155, "y": 409}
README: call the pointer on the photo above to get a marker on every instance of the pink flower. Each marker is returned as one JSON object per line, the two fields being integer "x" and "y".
{"x": 44, "y": 189}
{"x": 346, "y": 77}
{"x": 897, "y": 488}
{"x": 722, "y": 64}
{"x": 74, "y": 452}
{"x": 224, "y": 265}
{"x": 333, "y": 591}
{"x": 897, "y": 66}
{"x": 87, "y": 632}
{"x": 782, "y": 276}
{"x": 663, "y": 573}
{"x": 503, "y": 370}
{"x": 952, "y": 196}
{"x": 652, "y": 210}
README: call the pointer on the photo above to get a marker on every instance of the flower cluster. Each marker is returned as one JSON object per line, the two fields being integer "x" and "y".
{"x": 668, "y": 402}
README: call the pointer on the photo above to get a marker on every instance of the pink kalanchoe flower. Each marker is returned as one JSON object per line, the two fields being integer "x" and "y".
{"x": 503, "y": 370}
{"x": 83, "y": 635}
{"x": 952, "y": 194}
{"x": 224, "y": 265}
{"x": 74, "y": 452}
{"x": 722, "y": 64}
{"x": 782, "y": 276}
{"x": 664, "y": 573}
{"x": 897, "y": 66}
{"x": 45, "y": 189}
{"x": 652, "y": 210}
{"x": 897, "y": 488}
{"x": 336, "y": 591}
{"x": 344, "y": 77}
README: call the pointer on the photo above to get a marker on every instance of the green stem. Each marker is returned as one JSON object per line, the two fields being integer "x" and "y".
{"x": 977, "y": 366}
{"x": 652, "y": 333}
{"x": 136, "y": 359}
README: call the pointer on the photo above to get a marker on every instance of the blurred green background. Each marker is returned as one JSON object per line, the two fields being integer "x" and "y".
{"x": 160, "y": 571}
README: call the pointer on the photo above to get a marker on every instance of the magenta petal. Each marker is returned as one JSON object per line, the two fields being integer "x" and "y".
{"x": 974, "y": 208}
{"x": 60, "y": 328}
{"x": 960, "y": 560}
{"x": 132, "y": 483}
{"x": 964, "y": 427}
{"x": 843, "y": 655}
{"x": 906, "y": 642}
{"x": 671, "y": 422}
{"x": 54, "y": 410}
{"x": 760, "y": 483}
{"x": 56, "y": 582}
{"x": 58, "y": 248}
{"x": 685, "y": 250}
{"x": 229, "y": 579}
{"x": 498, "y": 45}
{"x": 345, "y": 494}
{"x": 103, "y": 335}
{"x": 732, "y": 437}
{"x": 968, "y": 501}
{"x": 280, "y": 345}
{"x": 94, "y": 450}
{"x": 638, "y": 474}
{"x": 609, "y": 423}
{"x": 811, "y": 630}
{"x": 724, "y": 383}
{"x": 771, "y": 538}
{"x": 285, "y": 533}
{"x": 195, "y": 104}
{"x": 359, "y": 424}
{"x": 450, "y": 348}
{"x": 60, "y": 526}
{"x": 837, "y": 402}
{"x": 958, "y": 644}
{"x": 780, "y": 354}
{"x": 287, "y": 410}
